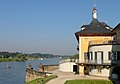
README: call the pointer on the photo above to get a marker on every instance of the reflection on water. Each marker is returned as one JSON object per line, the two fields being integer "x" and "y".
{"x": 14, "y": 72}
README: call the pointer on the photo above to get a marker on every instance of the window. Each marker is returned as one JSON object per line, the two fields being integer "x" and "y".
{"x": 113, "y": 55}
{"x": 85, "y": 68}
{"x": 95, "y": 55}
{"x": 85, "y": 55}
{"x": 118, "y": 55}
{"x": 109, "y": 55}
{"x": 102, "y": 55}
{"x": 90, "y": 55}
{"x": 115, "y": 37}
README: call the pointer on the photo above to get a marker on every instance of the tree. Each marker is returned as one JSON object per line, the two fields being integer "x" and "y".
{"x": 21, "y": 56}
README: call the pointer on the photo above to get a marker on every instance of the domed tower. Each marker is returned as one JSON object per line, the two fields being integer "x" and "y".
{"x": 94, "y": 13}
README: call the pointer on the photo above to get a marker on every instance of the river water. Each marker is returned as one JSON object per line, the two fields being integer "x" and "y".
{"x": 14, "y": 72}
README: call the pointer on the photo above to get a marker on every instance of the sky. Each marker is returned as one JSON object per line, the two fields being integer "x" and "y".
{"x": 48, "y": 26}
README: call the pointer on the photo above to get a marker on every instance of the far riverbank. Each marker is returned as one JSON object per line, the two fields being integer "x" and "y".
{"x": 11, "y": 59}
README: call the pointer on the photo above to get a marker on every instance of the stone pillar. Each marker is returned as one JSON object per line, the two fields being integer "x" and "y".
{"x": 81, "y": 70}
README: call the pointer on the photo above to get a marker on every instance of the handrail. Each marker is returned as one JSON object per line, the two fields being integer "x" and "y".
{"x": 68, "y": 60}
{"x": 100, "y": 61}
{"x": 93, "y": 42}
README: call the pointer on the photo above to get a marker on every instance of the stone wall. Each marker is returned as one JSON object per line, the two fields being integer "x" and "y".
{"x": 31, "y": 74}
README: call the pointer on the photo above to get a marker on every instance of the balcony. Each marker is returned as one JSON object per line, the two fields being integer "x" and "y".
{"x": 103, "y": 62}
{"x": 99, "y": 62}
{"x": 68, "y": 60}
{"x": 94, "y": 42}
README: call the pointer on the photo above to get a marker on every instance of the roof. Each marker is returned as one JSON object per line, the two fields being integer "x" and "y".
{"x": 103, "y": 23}
{"x": 95, "y": 28}
{"x": 84, "y": 26}
{"x": 116, "y": 28}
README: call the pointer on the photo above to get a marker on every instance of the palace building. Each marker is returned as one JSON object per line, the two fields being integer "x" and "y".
{"x": 99, "y": 48}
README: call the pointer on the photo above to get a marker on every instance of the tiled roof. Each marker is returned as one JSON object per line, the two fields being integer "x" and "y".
{"x": 84, "y": 26}
{"x": 116, "y": 28}
{"x": 95, "y": 27}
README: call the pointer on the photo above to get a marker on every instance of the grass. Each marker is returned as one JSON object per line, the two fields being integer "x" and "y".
{"x": 88, "y": 82}
{"x": 42, "y": 80}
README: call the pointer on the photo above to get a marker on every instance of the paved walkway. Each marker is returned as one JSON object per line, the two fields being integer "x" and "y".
{"x": 63, "y": 76}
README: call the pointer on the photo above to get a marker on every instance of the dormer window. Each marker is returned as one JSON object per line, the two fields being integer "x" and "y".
{"x": 107, "y": 27}
{"x": 83, "y": 28}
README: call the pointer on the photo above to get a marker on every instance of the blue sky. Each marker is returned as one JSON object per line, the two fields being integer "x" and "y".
{"x": 48, "y": 26}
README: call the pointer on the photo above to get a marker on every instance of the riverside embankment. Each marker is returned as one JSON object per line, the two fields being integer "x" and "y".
{"x": 15, "y": 72}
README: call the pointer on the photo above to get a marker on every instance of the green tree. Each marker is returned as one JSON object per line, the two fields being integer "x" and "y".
{"x": 21, "y": 56}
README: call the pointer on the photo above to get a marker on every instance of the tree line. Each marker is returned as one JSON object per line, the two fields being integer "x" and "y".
{"x": 23, "y": 55}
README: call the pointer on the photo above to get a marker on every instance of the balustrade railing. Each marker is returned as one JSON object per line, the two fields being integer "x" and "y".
{"x": 100, "y": 62}
{"x": 103, "y": 42}
{"x": 69, "y": 60}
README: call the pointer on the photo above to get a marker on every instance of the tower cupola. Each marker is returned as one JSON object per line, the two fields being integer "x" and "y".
{"x": 94, "y": 13}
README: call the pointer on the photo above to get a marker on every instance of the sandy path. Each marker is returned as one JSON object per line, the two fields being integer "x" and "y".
{"x": 63, "y": 76}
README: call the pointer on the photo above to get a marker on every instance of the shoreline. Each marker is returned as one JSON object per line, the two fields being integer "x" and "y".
{"x": 47, "y": 69}
{"x": 18, "y": 60}
{"x": 12, "y": 60}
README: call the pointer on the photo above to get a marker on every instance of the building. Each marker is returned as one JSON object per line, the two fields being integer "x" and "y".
{"x": 96, "y": 46}
{"x": 117, "y": 31}
{"x": 116, "y": 54}
{"x": 68, "y": 65}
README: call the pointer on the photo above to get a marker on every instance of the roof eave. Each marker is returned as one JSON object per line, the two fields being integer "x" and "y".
{"x": 108, "y": 34}
{"x": 77, "y": 36}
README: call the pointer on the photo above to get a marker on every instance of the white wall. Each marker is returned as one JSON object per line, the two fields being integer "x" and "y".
{"x": 66, "y": 67}
{"x": 104, "y": 48}
{"x": 104, "y": 72}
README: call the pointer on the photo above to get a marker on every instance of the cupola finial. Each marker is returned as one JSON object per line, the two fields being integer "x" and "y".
{"x": 94, "y": 12}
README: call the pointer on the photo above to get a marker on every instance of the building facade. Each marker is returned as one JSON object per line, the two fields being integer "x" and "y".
{"x": 116, "y": 53}
{"x": 96, "y": 44}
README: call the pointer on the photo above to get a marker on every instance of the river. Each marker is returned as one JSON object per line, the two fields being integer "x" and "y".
{"x": 14, "y": 72}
